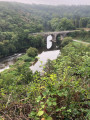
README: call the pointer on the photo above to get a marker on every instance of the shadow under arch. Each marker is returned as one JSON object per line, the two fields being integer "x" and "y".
{"x": 58, "y": 41}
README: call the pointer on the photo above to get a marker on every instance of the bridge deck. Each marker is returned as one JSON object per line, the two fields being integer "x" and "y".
{"x": 56, "y": 32}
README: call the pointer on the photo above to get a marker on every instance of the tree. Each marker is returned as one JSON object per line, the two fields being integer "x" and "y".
{"x": 66, "y": 24}
{"x": 83, "y": 22}
{"x": 54, "y": 23}
{"x": 32, "y": 52}
{"x": 1, "y": 48}
{"x": 66, "y": 41}
{"x": 88, "y": 24}
{"x": 36, "y": 41}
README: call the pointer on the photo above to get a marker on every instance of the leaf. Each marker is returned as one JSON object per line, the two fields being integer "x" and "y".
{"x": 54, "y": 103}
{"x": 63, "y": 108}
{"x": 49, "y": 118}
{"x": 47, "y": 90}
{"x": 38, "y": 99}
{"x": 42, "y": 106}
{"x": 69, "y": 110}
{"x": 32, "y": 114}
{"x": 58, "y": 109}
{"x": 60, "y": 94}
{"x": 44, "y": 93}
{"x": 40, "y": 113}
{"x": 42, "y": 103}
{"x": 49, "y": 103}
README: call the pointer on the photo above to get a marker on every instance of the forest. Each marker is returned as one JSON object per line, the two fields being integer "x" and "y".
{"x": 17, "y": 21}
{"x": 62, "y": 92}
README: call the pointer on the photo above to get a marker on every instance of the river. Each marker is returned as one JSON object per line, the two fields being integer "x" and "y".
{"x": 42, "y": 59}
{"x": 44, "y": 56}
{"x": 38, "y": 66}
{"x": 7, "y": 61}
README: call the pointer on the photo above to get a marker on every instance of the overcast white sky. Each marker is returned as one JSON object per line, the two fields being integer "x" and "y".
{"x": 54, "y": 2}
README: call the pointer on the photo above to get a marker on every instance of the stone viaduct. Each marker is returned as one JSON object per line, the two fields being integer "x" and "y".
{"x": 54, "y": 34}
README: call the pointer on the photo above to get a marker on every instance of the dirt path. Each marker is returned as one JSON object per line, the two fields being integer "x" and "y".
{"x": 81, "y": 41}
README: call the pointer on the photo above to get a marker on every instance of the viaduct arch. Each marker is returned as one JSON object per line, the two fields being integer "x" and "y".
{"x": 54, "y": 35}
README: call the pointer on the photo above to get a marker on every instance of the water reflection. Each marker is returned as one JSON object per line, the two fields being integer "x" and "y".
{"x": 38, "y": 66}
{"x": 6, "y": 62}
{"x": 49, "y": 42}
{"x": 43, "y": 57}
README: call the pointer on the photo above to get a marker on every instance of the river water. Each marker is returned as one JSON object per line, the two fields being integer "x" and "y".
{"x": 49, "y": 43}
{"x": 42, "y": 58}
{"x": 7, "y": 61}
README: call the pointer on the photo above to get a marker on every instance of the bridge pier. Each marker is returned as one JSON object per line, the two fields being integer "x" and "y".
{"x": 63, "y": 36}
{"x": 54, "y": 37}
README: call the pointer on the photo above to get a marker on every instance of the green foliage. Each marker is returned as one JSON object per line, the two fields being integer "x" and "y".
{"x": 25, "y": 58}
{"x": 36, "y": 41}
{"x": 65, "y": 94}
{"x": 62, "y": 24}
{"x": 66, "y": 41}
{"x": 17, "y": 21}
{"x": 88, "y": 25}
{"x": 15, "y": 27}
{"x": 81, "y": 35}
{"x": 66, "y": 24}
{"x": 84, "y": 22}
{"x": 54, "y": 23}
{"x": 32, "y": 52}
{"x": 60, "y": 101}
{"x": 62, "y": 92}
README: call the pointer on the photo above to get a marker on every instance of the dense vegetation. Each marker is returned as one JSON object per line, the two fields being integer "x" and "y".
{"x": 32, "y": 52}
{"x": 15, "y": 28}
{"x": 62, "y": 92}
{"x": 17, "y": 21}
{"x": 81, "y": 35}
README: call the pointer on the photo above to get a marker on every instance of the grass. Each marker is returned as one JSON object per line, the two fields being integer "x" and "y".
{"x": 85, "y": 39}
{"x": 23, "y": 60}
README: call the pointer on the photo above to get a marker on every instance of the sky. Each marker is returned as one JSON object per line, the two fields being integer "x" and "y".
{"x": 53, "y": 2}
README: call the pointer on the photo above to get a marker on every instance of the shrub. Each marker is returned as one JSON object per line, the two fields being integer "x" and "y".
{"x": 32, "y": 52}
{"x": 66, "y": 41}
{"x": 28, "y": 59}
{"x": 64, "y": 101}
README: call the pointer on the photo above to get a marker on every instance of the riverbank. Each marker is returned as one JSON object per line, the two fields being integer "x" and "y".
{"x": 18, "y": 61}
{"x": 66, "y": 81}
{"x": 43, "y": 58}
{"x": 6, "y": 62}
{"x": 34, "y": 63}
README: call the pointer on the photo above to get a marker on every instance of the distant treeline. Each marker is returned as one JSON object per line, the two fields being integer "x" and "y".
{"x": 18, "y": 20}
